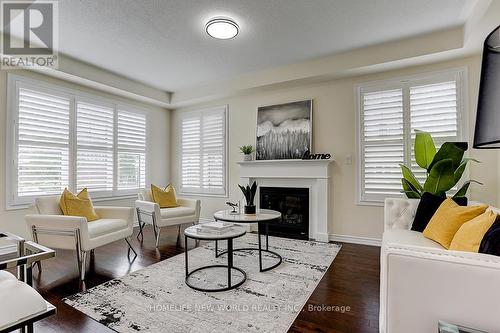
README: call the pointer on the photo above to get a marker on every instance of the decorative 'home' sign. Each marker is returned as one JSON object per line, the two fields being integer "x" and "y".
{"x": 318, "y": 156}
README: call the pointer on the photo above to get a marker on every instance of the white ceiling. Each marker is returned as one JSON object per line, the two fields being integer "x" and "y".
{"x": 163, "y": 43}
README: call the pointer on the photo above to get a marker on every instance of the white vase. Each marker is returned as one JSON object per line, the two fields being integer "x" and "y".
{"x": 247, "y": 157}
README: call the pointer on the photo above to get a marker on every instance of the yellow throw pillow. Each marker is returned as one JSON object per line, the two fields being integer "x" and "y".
{"x": 471, "y": 233}
{"x": 78, "y": 205}
{"x": 448, "y": 218}
{"x": 165, "y": 198}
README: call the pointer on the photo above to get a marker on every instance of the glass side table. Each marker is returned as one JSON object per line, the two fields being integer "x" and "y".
{"x": 451, "y": 328}
{"x": 21, "y": 254}
{"x": 18, "y": 253}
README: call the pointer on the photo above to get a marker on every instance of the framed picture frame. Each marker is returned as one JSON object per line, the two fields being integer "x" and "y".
{"x": 284, "y": 131}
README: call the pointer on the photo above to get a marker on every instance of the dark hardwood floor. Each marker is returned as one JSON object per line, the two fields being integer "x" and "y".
{"x": 350, "y": 287}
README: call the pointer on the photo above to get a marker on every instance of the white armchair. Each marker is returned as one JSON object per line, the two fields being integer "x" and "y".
{"x": 51, "y": 228}
{"x": 150, "y": 212}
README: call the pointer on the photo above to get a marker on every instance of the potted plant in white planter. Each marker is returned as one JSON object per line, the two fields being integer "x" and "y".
{"x": 247, "y": 151}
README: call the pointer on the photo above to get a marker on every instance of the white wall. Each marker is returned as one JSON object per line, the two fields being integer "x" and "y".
{"x": 334, "y": 119}
{"x": 159, "y": 118}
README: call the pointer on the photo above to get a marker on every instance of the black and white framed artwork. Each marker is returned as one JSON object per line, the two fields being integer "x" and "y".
{"x": 284, "y": 131}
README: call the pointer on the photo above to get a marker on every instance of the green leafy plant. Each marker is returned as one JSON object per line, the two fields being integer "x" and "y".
{"x": 444, "y": 168}
{"x": 247, "y": 149}
{"x": 249, "y": 193}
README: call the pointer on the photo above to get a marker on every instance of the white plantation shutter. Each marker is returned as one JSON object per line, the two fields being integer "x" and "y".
{"x": 388, "y": 119}
{"x": 191, "y": 154}
{"x": 94, "y": 152}
{"x": 433, "y": 108}
{"x": 203, "y": 151}
{"x": 58, "y": 138}
{"x": 42, "y": 143}
{"x": 131, "y": 151}
{"x": 382, "y": 143}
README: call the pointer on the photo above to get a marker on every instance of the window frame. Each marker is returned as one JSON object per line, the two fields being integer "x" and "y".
{"x": 189, "y": 114}
{"x": 14, "y": 83}
{"x": 404, "y": 83}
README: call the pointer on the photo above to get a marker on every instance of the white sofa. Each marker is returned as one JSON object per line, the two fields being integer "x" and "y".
{"x": 421, "y": 282}
{"x": 149, "y": 212}
{"x": 53, "y": 229}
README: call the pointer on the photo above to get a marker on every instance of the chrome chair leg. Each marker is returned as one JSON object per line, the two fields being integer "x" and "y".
{"x": 157, "y": 235}
{"x": 141, "y": 225}
{"x": 83, "y": 268}
{"x": 141, "y": 231}
{"x": 178, "y": 243}
{"x": 130, "y": 248}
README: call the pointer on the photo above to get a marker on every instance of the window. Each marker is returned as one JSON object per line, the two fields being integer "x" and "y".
{"x": 62, "y": 138}
{"x": 131, "y": 150}
{"x": 42, "y": 143}
{"x": 389, "y": 113}
{"x": 94, "y": 148}
{"x": 203, "y": 156}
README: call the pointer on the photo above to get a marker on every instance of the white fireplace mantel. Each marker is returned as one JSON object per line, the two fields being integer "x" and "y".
{"x": 312, "y": 174}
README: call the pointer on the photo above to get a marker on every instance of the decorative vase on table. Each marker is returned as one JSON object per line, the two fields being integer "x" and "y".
{"x": 247, "y": 157}
{"x": 249, "y": 193}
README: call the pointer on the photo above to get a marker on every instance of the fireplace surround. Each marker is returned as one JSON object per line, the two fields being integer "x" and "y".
{"x": 313, "y": 175}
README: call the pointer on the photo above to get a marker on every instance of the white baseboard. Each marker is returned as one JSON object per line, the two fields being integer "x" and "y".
{"x": 334, "y": 237}
{"x": 355, "y": 240}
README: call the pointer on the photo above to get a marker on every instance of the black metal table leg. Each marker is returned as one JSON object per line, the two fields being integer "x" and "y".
{"x": 229, "y": 261}
{"x": 230, "y": 266}
{"x": 267, "y": 236}
{"x": 260, "y": 248}
{"x": 186, "y": 254}
{"x": 216, "y": 248}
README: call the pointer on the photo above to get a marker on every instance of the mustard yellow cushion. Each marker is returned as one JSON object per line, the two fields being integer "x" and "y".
{"x": 164, "y": 197}
{"x": 448, "y": 218}
{"x": 471, "y": 233}
{"x": 78, "y": 205}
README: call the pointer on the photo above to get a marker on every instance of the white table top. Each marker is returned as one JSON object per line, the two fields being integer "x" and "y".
{"x": 262, "y": 215}
{"x": 235, "y": 231}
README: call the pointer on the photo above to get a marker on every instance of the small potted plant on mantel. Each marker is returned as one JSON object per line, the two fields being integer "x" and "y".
{"x": 249, "y": 193}
{"x": 247, "y": 151}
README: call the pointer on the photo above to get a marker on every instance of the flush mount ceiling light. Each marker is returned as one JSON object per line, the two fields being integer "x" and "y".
{"x": 222, "y": 28}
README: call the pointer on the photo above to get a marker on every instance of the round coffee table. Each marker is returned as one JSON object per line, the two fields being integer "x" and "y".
{"x": 235, "y": 232}
{"x": 262, "y": 218}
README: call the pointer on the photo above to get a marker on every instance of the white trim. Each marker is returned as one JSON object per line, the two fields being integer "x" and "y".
{"x": 333, "y": 237}
{"x": 13, "y": 83}
{"x": 459, "y": 74}
{"x": 101, "y": 199}
{"x": 355, "y": 240}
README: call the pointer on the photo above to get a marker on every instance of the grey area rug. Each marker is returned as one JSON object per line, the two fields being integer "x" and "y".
{"x": 156, "y": 298}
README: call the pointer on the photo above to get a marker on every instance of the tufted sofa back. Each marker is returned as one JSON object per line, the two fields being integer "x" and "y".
{"x": 399, "y": 213}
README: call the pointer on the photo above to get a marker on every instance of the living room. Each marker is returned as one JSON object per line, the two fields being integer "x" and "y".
{"x": 310, "y": 145}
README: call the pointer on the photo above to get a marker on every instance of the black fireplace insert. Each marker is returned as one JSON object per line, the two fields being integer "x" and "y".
{"x": 293, "y": 203}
